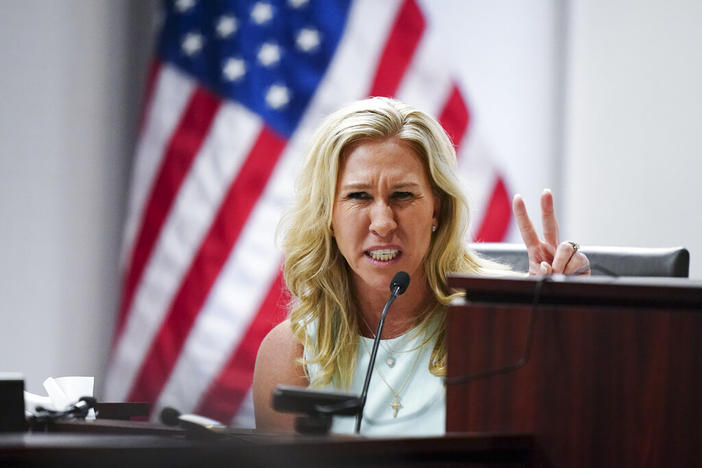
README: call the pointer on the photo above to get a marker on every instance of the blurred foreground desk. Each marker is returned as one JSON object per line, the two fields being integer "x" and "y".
{"x": 124, "y": 444}
{"x": 602, "y": 372}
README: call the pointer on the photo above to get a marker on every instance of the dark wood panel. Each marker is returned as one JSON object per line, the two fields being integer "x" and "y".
{"x": 247, "y": 448}
{"x": 603, "y": 385}
{"x": 671, "y": 293}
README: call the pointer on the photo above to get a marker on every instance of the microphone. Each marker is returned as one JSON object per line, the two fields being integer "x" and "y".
{"x": 399, "y": 283}
{"x": 81, "y": 408}
{"x": 398, "y": 286}
{"x": 192, "y": 423}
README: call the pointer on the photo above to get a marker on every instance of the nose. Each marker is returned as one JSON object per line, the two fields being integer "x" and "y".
{"x": 382, "y": 219}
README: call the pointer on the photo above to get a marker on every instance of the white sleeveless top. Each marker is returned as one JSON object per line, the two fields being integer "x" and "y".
{"x": 422, "y": 396}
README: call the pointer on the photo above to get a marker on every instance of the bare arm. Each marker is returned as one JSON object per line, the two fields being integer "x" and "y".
{"x": 276, "y": 363}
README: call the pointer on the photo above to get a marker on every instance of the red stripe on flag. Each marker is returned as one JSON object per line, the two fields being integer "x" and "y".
{"x": 180, "y": 153}
{"x": 454, "y": 117}
{"x": 498, "y": 213}
{"x": 404, "y": 37}
{"x": 209, "y": 260}
{"x": 226, "y": 393}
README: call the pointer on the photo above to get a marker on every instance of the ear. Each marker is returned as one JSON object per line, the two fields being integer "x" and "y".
{"x": 437, "y": 209}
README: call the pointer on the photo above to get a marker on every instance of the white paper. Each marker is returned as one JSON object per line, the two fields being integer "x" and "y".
{"x": 62, "y": 393}
{"x": 31, "y": 401}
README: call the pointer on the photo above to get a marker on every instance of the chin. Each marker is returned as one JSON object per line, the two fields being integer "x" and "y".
{"x": 376, "y": 282}
{"x": 381, "y": 284}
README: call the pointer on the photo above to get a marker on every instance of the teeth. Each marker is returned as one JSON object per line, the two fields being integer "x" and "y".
{"x": 383, "y": 255}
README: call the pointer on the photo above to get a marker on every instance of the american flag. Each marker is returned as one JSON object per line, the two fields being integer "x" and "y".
{"x": 233, "y": 95}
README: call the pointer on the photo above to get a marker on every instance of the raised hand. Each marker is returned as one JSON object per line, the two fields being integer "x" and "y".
{"x": 548, "y": 256}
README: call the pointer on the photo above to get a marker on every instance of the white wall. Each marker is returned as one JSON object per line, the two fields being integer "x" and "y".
{"x": 508, "y": 59}
{"x": 634, "y": 124}
{"x": 69, "y": 89}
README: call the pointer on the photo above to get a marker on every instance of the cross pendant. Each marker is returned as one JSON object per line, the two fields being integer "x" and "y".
{"x": 396, "y": 405}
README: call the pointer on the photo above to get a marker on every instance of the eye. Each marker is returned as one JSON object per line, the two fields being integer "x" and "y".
{"x": 402, "y": 195}
{"x": 358, "y": 196}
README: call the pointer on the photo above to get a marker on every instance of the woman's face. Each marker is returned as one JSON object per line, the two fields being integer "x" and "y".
{"x": 384, "y": 210}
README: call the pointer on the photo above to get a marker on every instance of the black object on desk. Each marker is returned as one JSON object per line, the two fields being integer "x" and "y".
{"x": 316, "y": 407}
{"x": 11, "y": 402}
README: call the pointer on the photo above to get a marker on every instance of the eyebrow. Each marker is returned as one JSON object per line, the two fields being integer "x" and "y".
{"x": 364, "y": 186}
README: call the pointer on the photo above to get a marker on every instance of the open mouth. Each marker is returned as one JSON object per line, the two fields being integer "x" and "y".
{"x": 383, "y": 255}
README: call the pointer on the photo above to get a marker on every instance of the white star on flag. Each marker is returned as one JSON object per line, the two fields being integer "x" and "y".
{"x": 269, "y": 54}
{"x": 297, "y": 3}
{"x": 307, "y": 39}
{"x": 226, "y": 26}
{"x": 262, "y": 12}
{"x": 277, "y": 96}
{"x": 192, "y": 43}
{"x": 234, "y": 69}
{"x": 184, "y": 5}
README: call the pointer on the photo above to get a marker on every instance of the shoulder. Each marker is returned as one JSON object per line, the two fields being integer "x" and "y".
{"x": 277, "y": 363}
{"x": 281, "y": 335}
{"x": 279, "y": 352}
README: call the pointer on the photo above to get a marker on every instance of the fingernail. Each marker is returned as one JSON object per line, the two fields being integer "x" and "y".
{"x": 544, "y": 268}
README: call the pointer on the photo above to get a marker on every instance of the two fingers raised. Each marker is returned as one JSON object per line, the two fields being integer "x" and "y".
{"x": 550, "y": 255}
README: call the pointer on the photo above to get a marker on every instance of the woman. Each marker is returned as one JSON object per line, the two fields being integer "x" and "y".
{"x": 378, "y": 194}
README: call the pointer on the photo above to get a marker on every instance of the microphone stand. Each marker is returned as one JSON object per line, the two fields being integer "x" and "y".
{"x": 376, "y": 342}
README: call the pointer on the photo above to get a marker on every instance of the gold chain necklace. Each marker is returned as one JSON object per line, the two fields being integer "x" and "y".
{"x": 396, "y": 403}
{"x": 390, "y": 360}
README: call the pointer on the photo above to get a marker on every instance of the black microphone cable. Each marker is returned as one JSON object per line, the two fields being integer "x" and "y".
{"x": 43, "y": 416}
{"x": 527, "y": 347}
{"x": 530, "y": 333}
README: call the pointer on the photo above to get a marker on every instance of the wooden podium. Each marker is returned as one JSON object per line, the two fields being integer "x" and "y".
{"x": 602, "y": 372}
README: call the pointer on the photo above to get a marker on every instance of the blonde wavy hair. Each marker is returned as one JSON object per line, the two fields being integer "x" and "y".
{"x": 316, "y": 273}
